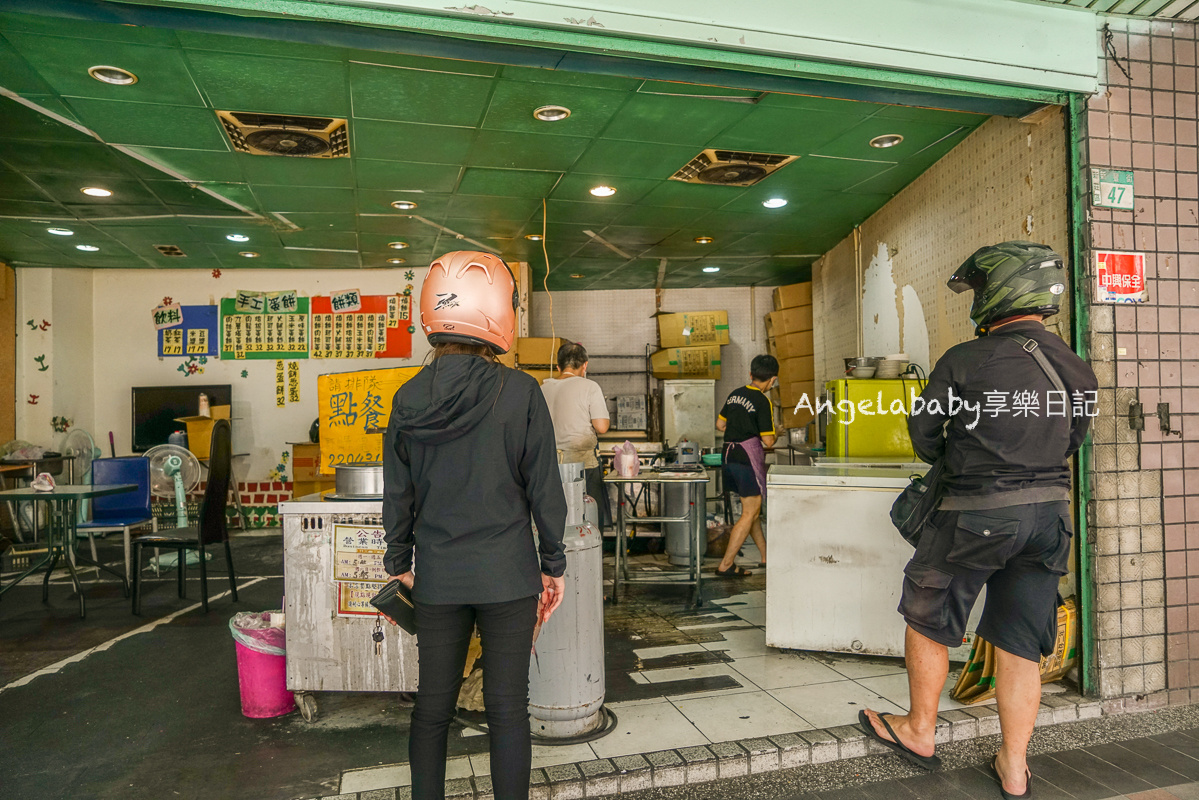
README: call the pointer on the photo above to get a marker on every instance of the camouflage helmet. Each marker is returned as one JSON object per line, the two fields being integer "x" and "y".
{"x": 1010, "y": 279}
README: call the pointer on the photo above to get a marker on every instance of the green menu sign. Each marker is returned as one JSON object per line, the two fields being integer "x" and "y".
{"x": 1112, "y": 188}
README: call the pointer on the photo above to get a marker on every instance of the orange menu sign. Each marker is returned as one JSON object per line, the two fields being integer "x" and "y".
{"x": 353, "y": 405}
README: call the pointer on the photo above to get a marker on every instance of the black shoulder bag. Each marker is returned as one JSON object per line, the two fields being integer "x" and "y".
{"x": 917, "y": 502}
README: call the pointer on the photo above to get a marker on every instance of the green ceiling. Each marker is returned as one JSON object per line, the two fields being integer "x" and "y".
{"x": 456, "y": 137}
{"x": 1165, "y": 9}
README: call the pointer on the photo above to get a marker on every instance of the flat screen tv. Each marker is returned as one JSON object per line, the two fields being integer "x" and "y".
{"x": 155, "y": 409}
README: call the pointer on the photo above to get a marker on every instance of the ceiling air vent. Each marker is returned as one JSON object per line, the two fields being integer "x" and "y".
{"x": 730, "y": 167}
{"x": 286, "y": 134}
{"x": 170, "y": 250}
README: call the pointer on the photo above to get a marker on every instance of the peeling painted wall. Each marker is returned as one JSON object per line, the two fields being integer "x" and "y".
{"x": 1007, "y": 180}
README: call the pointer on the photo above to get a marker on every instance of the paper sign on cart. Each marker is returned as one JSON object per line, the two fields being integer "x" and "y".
{"x": 1120, "y": 277}
{"x": 358, "y": 567}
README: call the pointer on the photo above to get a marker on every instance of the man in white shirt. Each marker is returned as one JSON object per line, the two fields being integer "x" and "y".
{"x": 578, "y": 411}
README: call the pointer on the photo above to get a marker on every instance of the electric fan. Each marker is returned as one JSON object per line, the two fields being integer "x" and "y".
{"x": 80, "y": 444}
{"x": 174, "y": 472}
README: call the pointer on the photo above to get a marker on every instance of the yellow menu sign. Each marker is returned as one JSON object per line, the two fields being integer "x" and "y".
{"x": 351, "y": 405}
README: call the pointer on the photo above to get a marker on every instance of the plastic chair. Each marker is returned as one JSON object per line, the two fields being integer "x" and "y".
{"x": 120, "y": 512}
{"x": 213, "y": 527}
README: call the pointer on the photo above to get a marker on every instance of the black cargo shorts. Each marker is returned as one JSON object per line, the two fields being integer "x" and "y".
{"x": 1017, "y": 552}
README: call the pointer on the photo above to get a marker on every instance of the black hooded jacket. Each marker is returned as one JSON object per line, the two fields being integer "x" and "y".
{"x": 469, "y": 456}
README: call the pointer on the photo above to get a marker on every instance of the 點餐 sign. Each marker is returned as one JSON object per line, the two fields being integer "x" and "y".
{"x": 351, "y": 405}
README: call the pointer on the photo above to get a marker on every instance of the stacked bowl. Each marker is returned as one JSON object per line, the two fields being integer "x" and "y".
{"x": 891, "y": 366}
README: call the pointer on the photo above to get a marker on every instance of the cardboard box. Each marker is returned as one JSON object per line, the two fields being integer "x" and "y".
{"x": 537, "y": 351}
{"x": 792, "y": 345}
{"x": 304, "y": 488}
{"x": 305, "y": 461}
{"x": 693, "y": 328}
{"x": 797, "y": 294}
{"x": 199, "y": 431}
{"x": 508, "y": 359}
{"x": 789, "y": 320}
{"x": 793, "y": 420}
{"x": 802, "y": 368}
{"x": 541, "y": 375}
{"x": 686, "y": 362}
{"x": 772, "y": 346}
{"x": 631, "y": 412}
{"x": 792, "y": 392}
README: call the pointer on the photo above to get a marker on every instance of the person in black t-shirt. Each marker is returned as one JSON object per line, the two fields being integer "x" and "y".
{"x": 747, "y": 420}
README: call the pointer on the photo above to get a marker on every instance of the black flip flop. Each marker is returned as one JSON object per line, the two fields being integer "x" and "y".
{"x": 929, "y": 763}
{"x": 733, "y": 572}
{"x": 1006, "y": 794}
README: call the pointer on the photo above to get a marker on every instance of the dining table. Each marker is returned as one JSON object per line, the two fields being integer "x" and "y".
{"x": 61, "y": 532}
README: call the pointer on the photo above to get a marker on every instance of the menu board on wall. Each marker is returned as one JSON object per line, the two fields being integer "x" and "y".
{"x": 196, "y": 336}
{"x": 352, "y": 405}
{"x": 260, "y": 334}
{"x": 378, "y": 328}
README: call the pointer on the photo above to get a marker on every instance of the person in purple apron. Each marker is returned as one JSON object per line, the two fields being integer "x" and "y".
{"x": 747, "y": 420}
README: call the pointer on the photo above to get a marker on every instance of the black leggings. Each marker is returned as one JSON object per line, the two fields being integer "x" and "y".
{"x": 443, "y": 636}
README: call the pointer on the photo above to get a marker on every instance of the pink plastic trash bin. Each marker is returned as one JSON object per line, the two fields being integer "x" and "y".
{"x": 261, "y": 666}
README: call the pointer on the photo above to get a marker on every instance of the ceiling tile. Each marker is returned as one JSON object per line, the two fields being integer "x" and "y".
{"x": 15, "y": 186}
{"x": 505, "y": 208}
{"x": 663, "y": 119}
{"x": 86, "y": 29}
{"x": 285, "y": 170}
{"x": 425, "y": 63}
{"x": 329, "y": 240}
{"x": 271, "y": 85}
{"x": 196, "y": 40}
{"x": 855, "y": 143}
{"x": 63, "y": 63}
{"x": 151, "y": 124}
{"x": 508, "y": 150}
{"x": 509, "y": 182}
{"x": 24, "y": 123}
{"x": 658, "y": 216}
{"x": 19, "y": 77}
{"x": 635, "y": 236}
{"x": 397, "y": 175}
{"x": 30, "y": 208}
{"x": 395, "y": 223}
{"x": 691, "y": 195}
{"x": 403, "y": 141}
{"x": 65, "y": 187}
{"x": 566, "y": 77}
{"x": 303, "y": 198}
{"x": 785, "y": 131}
{"x": 196, "y": 165}
{"x": 513, "y": 103}
{"x": 316, "y": 258}
{"x": 319, "y": 220}
{"x": 487, "y": 230}
{"x": 575, "y": 186}
{"x": 411, "y": 95}
{"x": 633, "y": 159}
{"x": 429, "y": 205}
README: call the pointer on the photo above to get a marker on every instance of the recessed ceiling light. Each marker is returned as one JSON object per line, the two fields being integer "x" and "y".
{"x": 887, "y": 140}
{"x": 395, "y": 260}
{"x": 96, "y": 191}
{"x": 61, "y": 231}
{"x": 404, "y": 205}
{"x": 774, "y": 202}
{"x": 711, "y": 269}
{"x": 552, "y": 113}
{"x": 114, "y": 75}
{"x": 577, "y": 275}
{"x": 534, "y": 237}
{"x": 237, "y": 237}
{"x": 87, "y": 248}
{"x": 603, "y": 191}
{"x": 704, "y": 240}
{"x": 397, "y": 245}
{"x": 248, "y": 254}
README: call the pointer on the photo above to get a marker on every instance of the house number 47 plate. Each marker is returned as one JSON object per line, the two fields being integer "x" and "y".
{"x": 1111, "y": 188}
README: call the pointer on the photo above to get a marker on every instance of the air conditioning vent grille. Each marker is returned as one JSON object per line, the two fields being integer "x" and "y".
{"x": 731, "y": 167}
{"x": 170, "y": 250}
{"x": 286, "y": 134}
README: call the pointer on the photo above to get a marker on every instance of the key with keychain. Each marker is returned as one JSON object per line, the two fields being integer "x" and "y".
{"x": 377, "y": 634}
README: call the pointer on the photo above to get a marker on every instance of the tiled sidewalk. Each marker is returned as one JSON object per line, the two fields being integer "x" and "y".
{"x": 701, "y": 686}
{"x": 1162, "y": 767}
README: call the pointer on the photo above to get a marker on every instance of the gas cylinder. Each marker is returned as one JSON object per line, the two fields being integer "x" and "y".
{"x": 566, "y": 673}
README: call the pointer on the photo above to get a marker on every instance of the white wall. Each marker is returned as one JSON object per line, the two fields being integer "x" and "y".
{"x": 63, "y": 298}
{"x": 102, "y": 342}
{"x": 621, "y": 322}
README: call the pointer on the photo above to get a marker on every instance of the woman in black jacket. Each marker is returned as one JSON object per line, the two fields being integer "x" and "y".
{"x": 468, "y": 460}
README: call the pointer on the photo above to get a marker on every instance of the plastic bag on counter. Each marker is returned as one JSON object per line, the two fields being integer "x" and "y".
{"x": 257, "y": 631}
{"x": 626, "y": 462}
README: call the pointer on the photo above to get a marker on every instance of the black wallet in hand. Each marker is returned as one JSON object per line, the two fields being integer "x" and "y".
{"x": 395, "y": 600}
